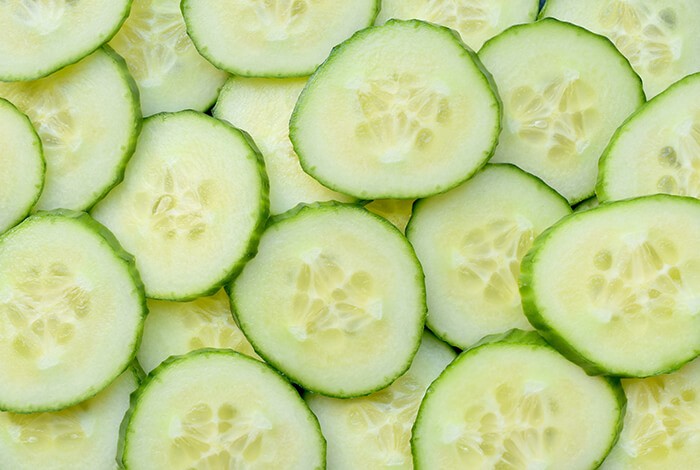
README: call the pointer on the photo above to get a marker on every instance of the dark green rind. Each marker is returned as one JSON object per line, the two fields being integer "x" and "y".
{"x": 301, "y": 210}
{"x": 472, "y": 57}
{"x": 106, "y": 238}
{"x": 124, "y": 431}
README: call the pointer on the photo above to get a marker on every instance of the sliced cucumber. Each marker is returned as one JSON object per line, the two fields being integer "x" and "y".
{"x": 402, "y": 110}
{"x": 218, "y": 409}
{"x": 558, "y": 117}
{"x": 192, "y": 204}
{"x": 609, "y": 287}
{"x": 262, "y": 107}
{"x": 375, "y": 431}
{"x": 170, "y": 73}
{"x": 71, "y": 311}
{"x": 658, "y": 149}
{"x": 590, "y": 203}
{"x": 334, "y": 299}
{"x": 21, "y": 166}
{"x": 470, "y": 241}
{"x": 88, "y": 118}
{"x": 396, "y": 211}
{"x": 273, "y": 38}
{"x": 38, "y": 37}
{"x": 512, "y": 402}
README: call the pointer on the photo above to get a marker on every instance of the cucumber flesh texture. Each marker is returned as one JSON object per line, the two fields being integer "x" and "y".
{"x": 170, "y": 73}
{"x": 262, "y": 107}
{"x": 245, "y": 416}
{"x": 396, "y": 211}
{"x": 334, "y": 299}
{"x": 659, "y": 37}
{"x": 658, "y": 149}
{"x": 470, "y": 242}
{"x": 196, "y": 191}
{"x": 88, "y": 118}
{"x": 610, "y": 285}
{"x": 557, "y": 117}
{"x": 401, "y": 110}
{"x": 21, "y": 167}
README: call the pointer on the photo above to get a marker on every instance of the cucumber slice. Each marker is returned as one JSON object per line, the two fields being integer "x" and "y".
{"x": 657, "y": 150}
{"x": 558, "y": 118}
{"x": 170, "y": 73}
{"x": 590, "y": 203}
{"x": 610, "y": 286}
{"x": 88, "y": 118}
{"x": 375, "y": 431}
{"x": 38, "y": 37}
{"x": 659, "y": 37}
{"x": 246, "y": 416}
{"x": 334, "y": 299}
{"x": 22, "y": 166}
{"x": 402, "y": 110}
{"x": 396, "y": 211}
{"x": 174, "y": 328}
{"x": 512, "y": 402}
{"x": 82, "y": 437}
{"x": 470, "y": 241}
{"x": 262, "y": 107}
{"x": 192, "y": 204}
{"x": 273, "y": 38}
{"x": 71, "y": 311}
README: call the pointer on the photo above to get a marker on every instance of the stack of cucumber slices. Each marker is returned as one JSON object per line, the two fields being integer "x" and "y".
{"x": 381, "y": 234}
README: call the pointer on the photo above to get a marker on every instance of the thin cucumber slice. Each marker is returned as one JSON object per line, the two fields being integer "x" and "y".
{"x": 558, "y": 117}
{"x": 22, "y": 166}
{"x": 88, "y": 118}
{"x": 657, "y": 150}
{"x": 402, "y": 110}
{"x": 273, "y": 38}
{"x": 375, "y": 431}
{"x": 192, "y": 204}
{"x": 262, "y": 107}
{"x": 334, "y": 299}
{"x": 470, "y": 241}
{"x": 609, "y": 286}
{"x": 170, "y": 73}
{"x": 513, "y": 402}
{"x": 82, "y": 437}
{"x": 218, "y": 409}
{"x": 659, "y": 37}
{"x": 71, "y": 311}
{"x": 396, "y": 211}
{"x": 590, "y": 203}
{"x": 174, "y": 328}
{"x": 38, "y": 37}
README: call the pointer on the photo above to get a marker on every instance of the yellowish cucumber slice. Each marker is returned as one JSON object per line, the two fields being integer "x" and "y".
{"x": 218, "y": 409}
{"x": 396, "y": 211}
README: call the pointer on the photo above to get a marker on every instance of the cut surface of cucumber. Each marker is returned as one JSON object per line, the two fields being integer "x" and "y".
{"x": 557, "y": 116}
{"x": 21, "y": 166}
{"x": 470, "y": 241}
{"x": 609, "y": 286}
{"x": 38, "y": 37}
{"x": 375, "y": 431}
{"x": 396, "y": 211}
{"x": 88, "y": 118}
{"x": 273, "y": 38}
{"x": 334, "y": 299}
{"x": 515, "y": 403}
{"x": 71, "y": 311}
{"x": 192, "y": 204}
{"x": 218, "y": 409}
{"x": 262, "y": 107}
{"x": 658, "y": 149}
{"x": 402, "y": 110}
{"x": 170, "y": 73}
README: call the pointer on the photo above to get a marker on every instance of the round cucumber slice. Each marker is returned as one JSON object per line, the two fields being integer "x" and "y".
{"x": 334, "y": 299}
{"x": 396, "y": 211}
{"x": 218, "y": 409}
{"x": 402, "y": 110}
{"x": 71, "y": 311}
{"x": 514, "y": 402}
{"x": 192, "y": 204}
{"x": 610, "y": 286}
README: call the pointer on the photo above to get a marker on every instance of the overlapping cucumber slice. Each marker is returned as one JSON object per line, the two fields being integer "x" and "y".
{"x": 396, "y": 211}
